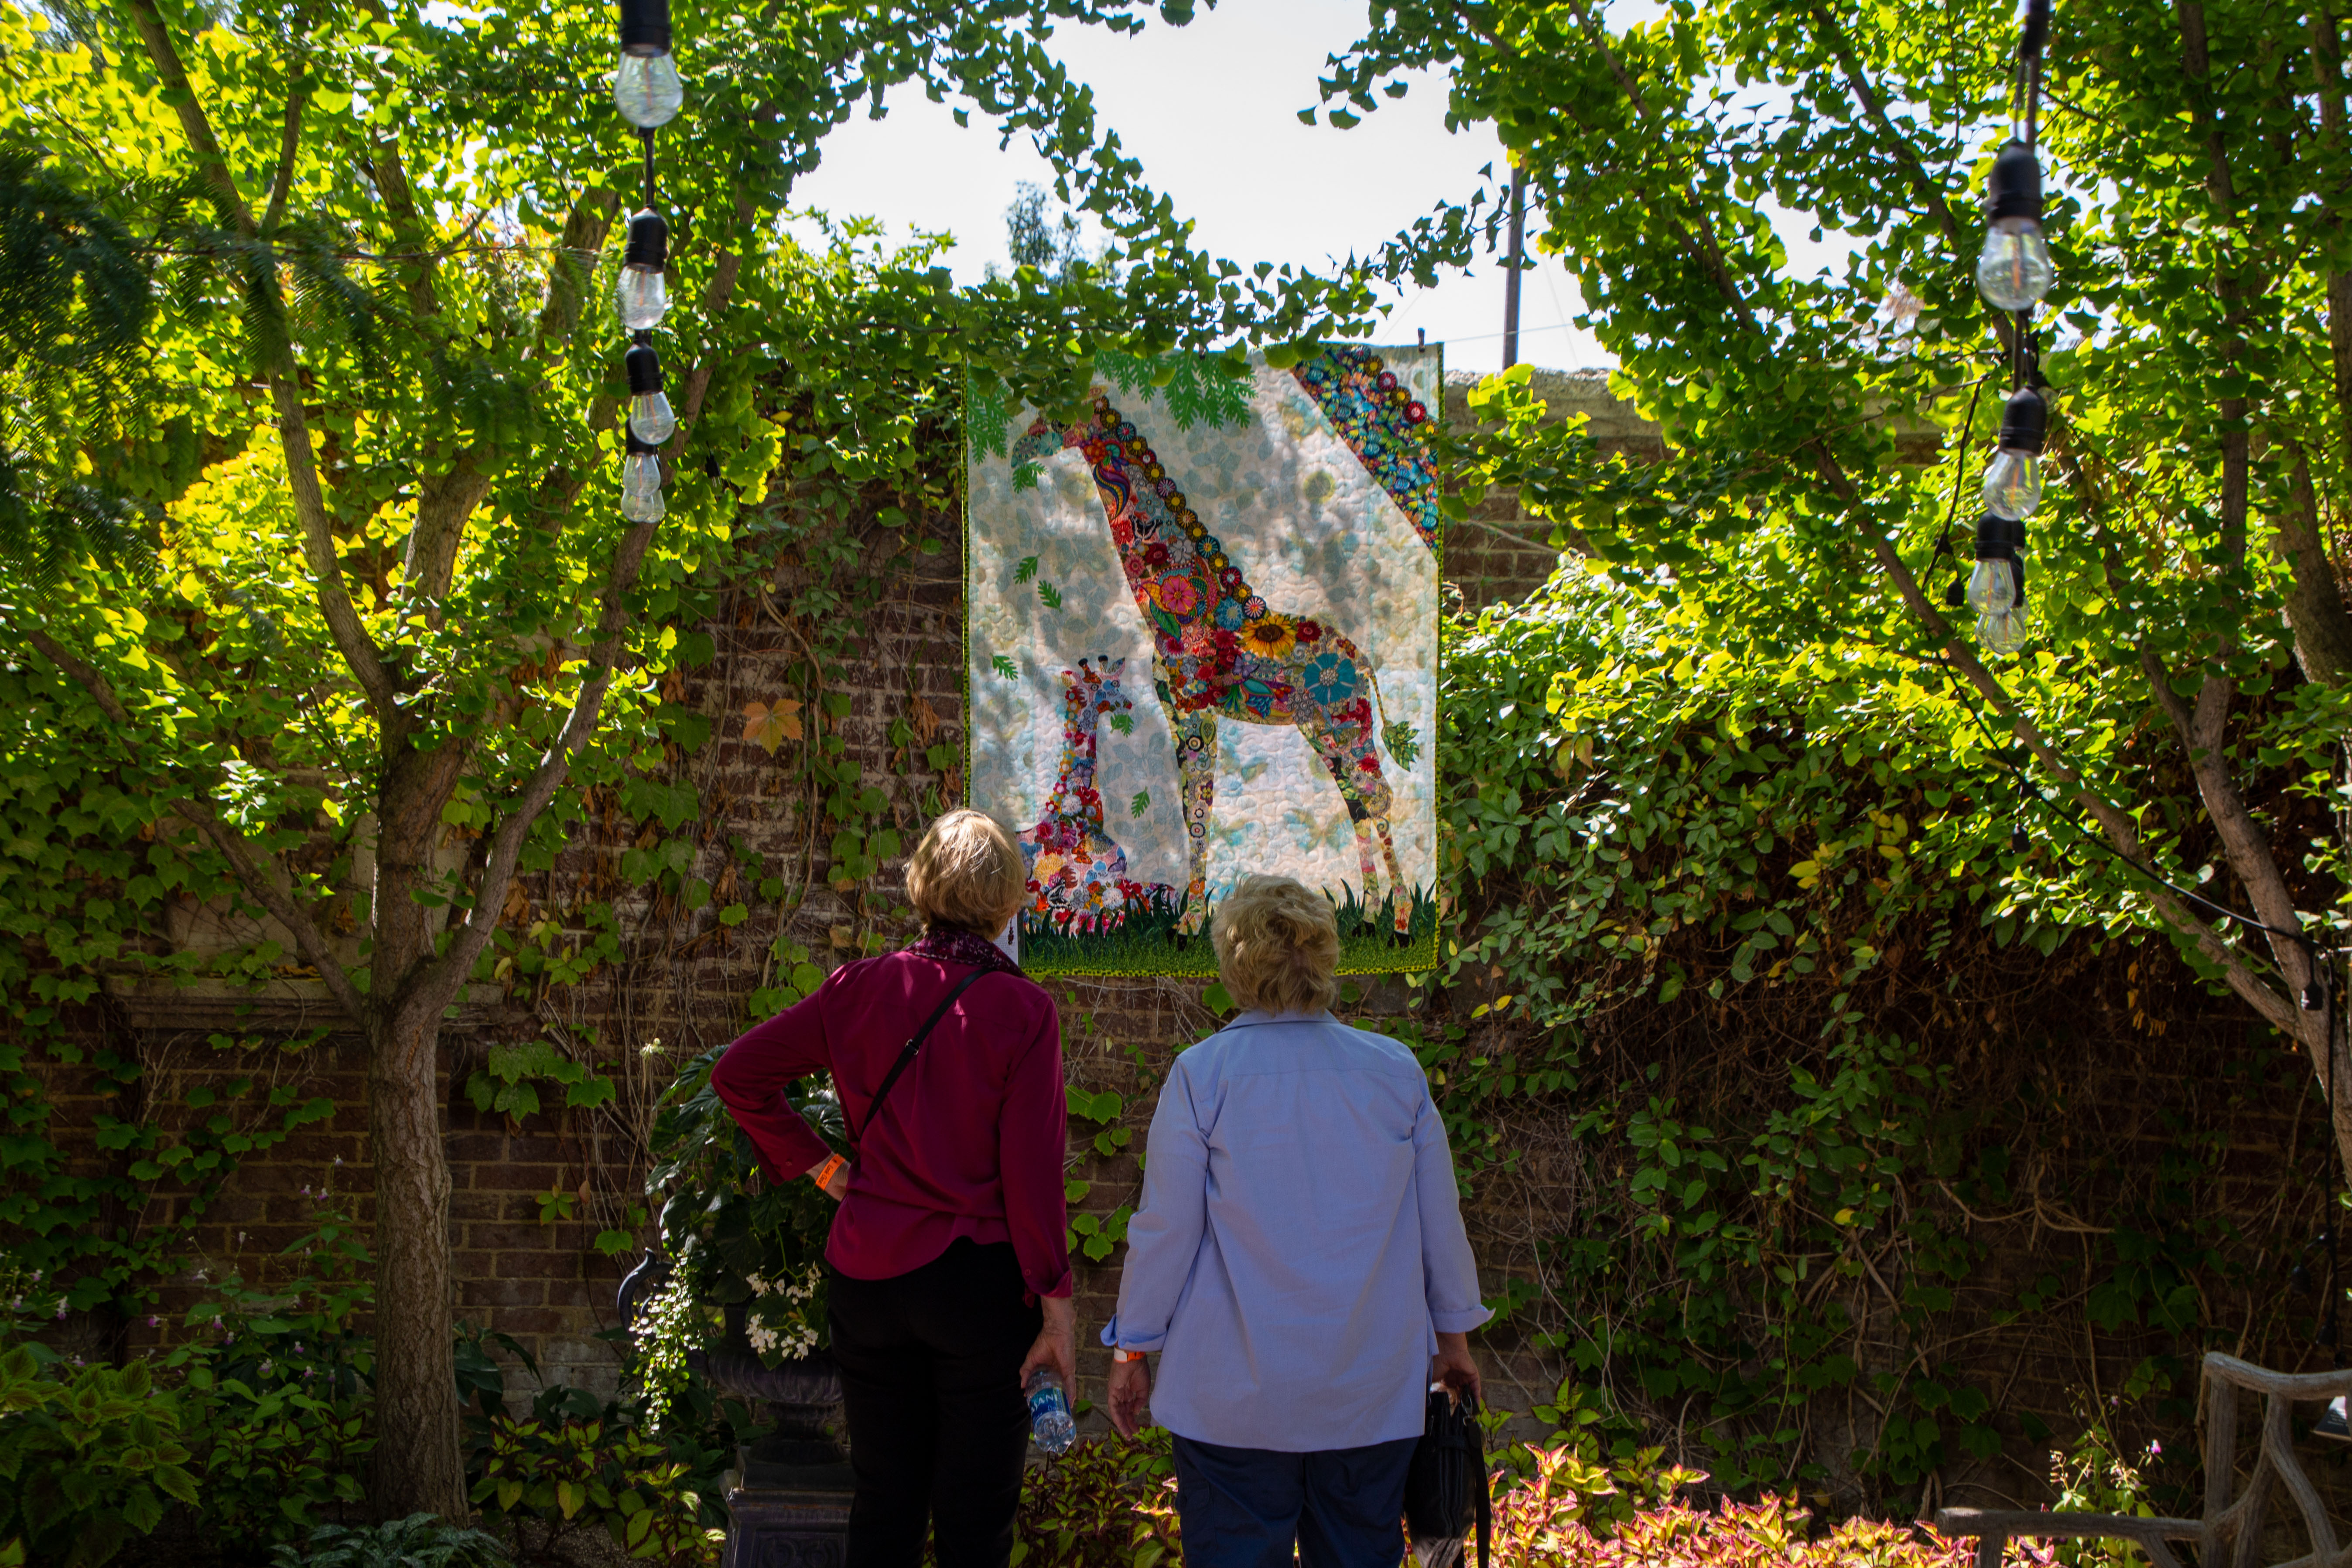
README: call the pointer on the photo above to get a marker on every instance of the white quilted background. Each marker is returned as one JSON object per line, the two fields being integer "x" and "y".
{"x": 1314, "y": 534}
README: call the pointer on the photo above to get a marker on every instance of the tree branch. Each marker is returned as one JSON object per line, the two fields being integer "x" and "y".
{"x": 165, "y": 55}
{"x": 1930, "y": 194}
{"x": 2315, "y": 600}
{"x": 342, "y": 617}
{"x": 2120, "y": 830}
{"x": 469, "y": 940}
{"x": 2327, "y": 69}
{"x": 293, "y": 427}
{"x": 447, "y": 502}
{"x": 199, "y": 812}
{"x": 2159, "y": 683}
{"x": 409, "y": 229}
{"x": 296, "y": 99}
{"x": 569, "y": 275}
{"x": 1710, "y": 248}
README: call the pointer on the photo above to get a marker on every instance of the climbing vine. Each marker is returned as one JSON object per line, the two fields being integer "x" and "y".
{"x": 1780, "y": 1058}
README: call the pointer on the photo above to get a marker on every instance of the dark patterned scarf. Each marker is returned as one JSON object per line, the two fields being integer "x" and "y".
{"x": 947, "y": 945}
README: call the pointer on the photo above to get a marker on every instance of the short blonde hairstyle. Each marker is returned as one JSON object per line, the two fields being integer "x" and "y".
{"x": 1277, "y": 944}
{"x": 966, "y": 872}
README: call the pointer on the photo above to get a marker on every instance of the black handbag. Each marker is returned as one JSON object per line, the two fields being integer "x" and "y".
{"x": 1445, "y": 1487}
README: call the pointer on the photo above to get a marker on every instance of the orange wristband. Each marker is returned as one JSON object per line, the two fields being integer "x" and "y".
{"x": 823, "y": 1175}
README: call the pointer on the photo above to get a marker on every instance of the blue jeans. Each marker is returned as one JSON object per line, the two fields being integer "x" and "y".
{"x": 1244, "y": 1508}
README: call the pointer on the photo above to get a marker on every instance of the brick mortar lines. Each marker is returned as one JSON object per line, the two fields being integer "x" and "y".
{"x": 684, "y": 980}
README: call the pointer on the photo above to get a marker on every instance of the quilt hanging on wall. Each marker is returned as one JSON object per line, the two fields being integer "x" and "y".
{"x": 1203, "y": 644}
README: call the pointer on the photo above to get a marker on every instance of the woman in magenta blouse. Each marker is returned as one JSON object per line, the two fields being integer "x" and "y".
{"x": 951, "y": 1270}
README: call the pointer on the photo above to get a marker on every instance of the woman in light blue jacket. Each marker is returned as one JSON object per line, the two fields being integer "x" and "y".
{"x": 1298, "y": 1263}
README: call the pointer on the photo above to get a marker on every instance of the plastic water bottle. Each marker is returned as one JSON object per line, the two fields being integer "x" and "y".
{"x": 1049, "y": 1412}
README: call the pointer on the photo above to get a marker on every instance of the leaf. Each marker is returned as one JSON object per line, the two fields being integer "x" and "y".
{"x": 1140, "y": 804}
{"x": 1026, "y": 570}
{"x": 769, "y": 725}
{"x": 1005, "y": 668}
{"x": 1049, "y": 595}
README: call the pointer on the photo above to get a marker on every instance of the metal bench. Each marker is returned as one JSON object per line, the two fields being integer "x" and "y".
{"x": 2230, "y": 1533}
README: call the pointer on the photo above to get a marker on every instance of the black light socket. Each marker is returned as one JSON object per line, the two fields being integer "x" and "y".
{"x": 2015, "y": 189}
{"x": 1998, "y": 538}
{"x": 634, "y": 444}
{"x": 2001, "y": 539}
{"x": 2024, "y": 420}
{"x": 644, "y": 369}
{"x": 644, "y": 26}
{"x": 648, "y": 245}
{"x": 2036, "y": 31}
{"x": 1956, "y": 595}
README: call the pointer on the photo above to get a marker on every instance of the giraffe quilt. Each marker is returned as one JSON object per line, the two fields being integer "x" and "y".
{"x": 1203, "y": 643}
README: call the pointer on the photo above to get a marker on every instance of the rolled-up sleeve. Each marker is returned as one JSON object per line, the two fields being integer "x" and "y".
{"x": 750, "y": 1077}
{"x": 1032, "y": 1135}
{"x": 1164, "y": 1237}
{"x": 1449, "y": 1273}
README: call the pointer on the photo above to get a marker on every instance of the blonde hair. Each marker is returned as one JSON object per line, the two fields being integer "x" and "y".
{"x": 966, "y": 872}
{"x": 1277, "y": 944}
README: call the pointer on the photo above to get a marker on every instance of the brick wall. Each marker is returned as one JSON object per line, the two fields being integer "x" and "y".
{"x": 684, "y": 978}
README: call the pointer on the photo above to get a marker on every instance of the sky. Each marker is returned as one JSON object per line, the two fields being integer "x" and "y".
{"x": 1211, "y": 110}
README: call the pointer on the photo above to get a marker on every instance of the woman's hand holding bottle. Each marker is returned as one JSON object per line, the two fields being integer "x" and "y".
{"x": 1056, "y": 1346}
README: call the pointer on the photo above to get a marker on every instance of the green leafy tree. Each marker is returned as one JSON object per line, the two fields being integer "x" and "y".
{"x": 1051, "y": 243}
{"x": 399, "y": 625}
{"x": 75, "y": 304}
{"x": 2183, "y": 705}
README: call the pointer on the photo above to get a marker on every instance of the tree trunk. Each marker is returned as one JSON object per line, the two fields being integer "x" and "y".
{"x": 419, "y": 1466}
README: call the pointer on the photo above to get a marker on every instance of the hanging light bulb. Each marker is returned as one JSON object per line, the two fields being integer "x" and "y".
{"x": 1996, "y": 586}
{"x": 650, "y": 417}
{"x": 645, "y": 85}
{"x": 642, "y": 293}
{"x": 641, "y": 480}
{"x": 642, "y": 505}
{"x": 2014, "y": 271}
{"x": 2012, "y": 480}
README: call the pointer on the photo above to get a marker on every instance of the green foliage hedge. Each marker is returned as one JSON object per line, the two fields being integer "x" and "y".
{"x": 1727, "y": 929}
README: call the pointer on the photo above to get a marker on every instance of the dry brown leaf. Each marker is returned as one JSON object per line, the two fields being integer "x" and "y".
{"x": 769, "y": 725}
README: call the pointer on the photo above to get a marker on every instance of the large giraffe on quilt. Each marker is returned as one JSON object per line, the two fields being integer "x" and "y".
{"x": 1220, "y": 652}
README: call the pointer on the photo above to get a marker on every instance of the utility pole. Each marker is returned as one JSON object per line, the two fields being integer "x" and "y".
{"x": 1511, "y": 277}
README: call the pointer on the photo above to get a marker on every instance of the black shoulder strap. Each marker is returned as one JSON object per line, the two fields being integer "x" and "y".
{"x": 906, "y": 1057}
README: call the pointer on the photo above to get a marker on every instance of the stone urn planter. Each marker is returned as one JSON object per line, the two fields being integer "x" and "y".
{"x": 790, "y": 1508}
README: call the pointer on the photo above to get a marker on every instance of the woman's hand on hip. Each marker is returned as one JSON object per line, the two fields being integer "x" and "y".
{"x": 831, "y": 1177}
{"x": 1131, "y": 1394}
{"x": 1452, "y": 1367}
{"x": 1056, "y": 1346}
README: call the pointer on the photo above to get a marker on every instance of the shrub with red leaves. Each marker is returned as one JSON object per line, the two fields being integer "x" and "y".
{"x": 1540, "y": 1523}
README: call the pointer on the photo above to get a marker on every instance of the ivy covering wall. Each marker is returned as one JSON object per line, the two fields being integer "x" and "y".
{"x": 1810, "y": 1138}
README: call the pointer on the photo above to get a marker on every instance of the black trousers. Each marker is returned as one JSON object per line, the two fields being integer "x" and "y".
{"x": 931, "y": 1363}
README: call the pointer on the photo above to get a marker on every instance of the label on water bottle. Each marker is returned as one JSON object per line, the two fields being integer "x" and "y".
{"x": 1050, "y": 1422}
